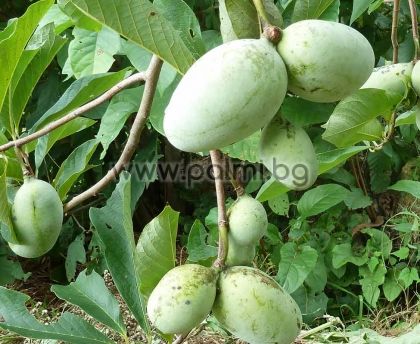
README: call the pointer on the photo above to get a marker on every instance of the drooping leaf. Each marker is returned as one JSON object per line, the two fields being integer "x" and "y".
{"x": 312, "y": 304}
{"x": 380, "y": 170}
{"x": 356, "y": 199}
{"x": 321, "y": 198}
{"x": 301, "y": 112}
{"x": 330, "y": 159}
{"x": 115, "y": 230}
{"x": 197, "y": 246}
{"x": 246, "y": 149}
{"x": 10, "y": 271}
{"x": 156, "y": 248}
{"x": 391, "y": 287}
{"x": 270, "y": 189}
{"x": 75, "y": 253}
{"x": 410, "y": 186}
{"x": 370, "y": 282}
{"x": 141, "y": 22}
{"x": 310, "y": 9}
{"x": 90, "y": 293}
{"x": 75, "y": 164}
{"x": 359, "y": 7}
{"x": 58, "y": 17}
{"x": 343, "y": 254}
{"x": 69, "y": 328}
{"x": 295, "y": 265}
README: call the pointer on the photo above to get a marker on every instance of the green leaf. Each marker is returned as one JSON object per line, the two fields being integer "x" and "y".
{"x": 359, "y": 7}
{"x": 380, "y": 170}
{"x": 56, "y": 16}
{"x": 14, "y": 170}
{"x": 408, "y": 276}
{"x": 270, "y": 189}
{"x": 10, "y": 271}
{"x": 310, "y": 9}
{"x": 92, "y": 52}
{"x": 280, "y": 205}
{"x": 75, "y": 253}
{"x": 317, "y": 279}
{"x": 69, "y": 328}
{"x": 321, "y": 198}
{"x": 370, "y": 282}
{"x": 330, "y": 159}
{"x": 379, "y": 242}
{"x": 73, "y": 167}
{"x": 198, "y": 249}
{"x": 392, "y": 289}
{"x": 410, "y": 186}
{"x": 301, "y": 112}
{"x": 295, "y": 265}
{"x": 43, "y": 145}
{"x": 115, "y": 229}
{"x": 402, "y": 253}
{"x": 80, "y": 92}
{"x": 313, "y": 305}
{"x": 246, "y": 149}
{"x": 156, "y": 248}
{"x": 332, "y": 12}
{"x": 6, "y": 224}
{"x": 409, "y": 117}
{"x": 343, "y": 254}
{"x": 356, "y": 199}
{"x": 13, "y": 41}
{"x": 352, "y": 118}
{"x": 141, "y": 22}
{"x": 90, "y": 293}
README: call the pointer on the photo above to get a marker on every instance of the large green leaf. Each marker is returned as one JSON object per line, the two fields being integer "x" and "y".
{"x": 141, "y": 22}
{"x": 75, "y": 164}
{"x": 353, "y": 116}
{"x": 90, "y": 293}
{"x": 321, "y": 198}
{"x": 246, "y": 149}
{"x": 115, "y": 229}
{"x": 330, "y": 159}
{"x": 56, "y": 16}
{"x": 310, "y": 9}
{"x": 301, "y": 112}
{"x": 13, "y": 41}
{"x": 410, "y": 186}
{"x": 69, "y": 328}
{"x": 80, "y": 92}
{"x": 156, "y": 248}
{"x": 359, "y": 7}
{"x": 270, "y": 189}
{"x": 238, "y": 19}
{"x": 295, "y": 265}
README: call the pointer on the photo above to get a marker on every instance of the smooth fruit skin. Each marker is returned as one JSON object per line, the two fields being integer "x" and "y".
{"x": 37, "y": 215}
{"x": 254, "y": 307}
{"x": 182, "y": 299}
{"x": 326, "y": 61}
{"x": 415, "y": 78}
{"x": 391, "y": 78}
{"x": 247, "y": 221}
{"x": 239, "y": 254}
{"x": 288, "y": 153}
{"x": 226, "y": 95}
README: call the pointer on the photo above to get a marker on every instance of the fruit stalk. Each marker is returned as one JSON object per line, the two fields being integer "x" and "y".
{"x": 261, "y": 10}
{"x": 216, "y": 160}
{"x": 415, "y": 28}
{"x": 394, "y": 31}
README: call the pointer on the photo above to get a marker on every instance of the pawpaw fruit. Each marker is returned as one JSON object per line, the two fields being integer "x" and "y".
{"x": 392, "y": 78}
{"x": 37, "y": 216}
{"x": 415, "y": 78}
{"x": 247, "y": 221}
{"x": 239, "y": 254}
{"x": 288, "y": 153}
{"x": 182, "y": 299}
{"x": 228, "y": 94}
{"x": 254, "y": 308}
{"x": 325, "y": 61}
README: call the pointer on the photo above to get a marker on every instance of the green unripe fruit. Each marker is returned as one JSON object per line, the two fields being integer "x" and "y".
{"x": 226, "y": 95}
{"x": 239, "y": 254}
{"x": 415, "y": 78}
{"x": 247, "y": 221}
{"x": 37, "y": 215}
{"x": 182, "y": 299}
{"x": 325, "y": 61}
{"x": 392, "y": 78}
{"x": 254, "y": 307}
{"x": 288, "y": 153}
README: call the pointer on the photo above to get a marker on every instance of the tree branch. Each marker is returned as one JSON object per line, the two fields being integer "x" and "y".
{"x": 217, "y": 162}
{"x": 151, "y": 77}
{"x": 415, "y": 28}
{"x": 138, "y": 77}
{"x": 394, "y": 31}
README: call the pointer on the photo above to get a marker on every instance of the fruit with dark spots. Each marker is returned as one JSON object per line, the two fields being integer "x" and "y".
{"x": 325, "y": 61}
{"x": 37, "y": 216}
{"x": 182, "y": 298}
{"x": 253, "y": 307}
{"x": 247, "y": 221}
{"x": 228, "y": 94}
{"x": 288, "y": 153}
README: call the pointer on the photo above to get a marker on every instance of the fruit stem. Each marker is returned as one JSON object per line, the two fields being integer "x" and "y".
{"x": 414, "y": 28}
{"x": 24, "y": 163}
{"x": 234, "y": 180}
{"x": 216, "y": 160}
{"x": 394, "y": 31}
{"x": 261, "y": 10}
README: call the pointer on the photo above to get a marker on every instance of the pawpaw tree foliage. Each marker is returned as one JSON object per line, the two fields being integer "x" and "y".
{"x": 84, "y": 85}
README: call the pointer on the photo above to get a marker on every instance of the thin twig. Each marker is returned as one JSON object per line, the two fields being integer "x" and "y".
{"x": 152, "y": 76}
{"x": 415, "y": 28}
{"x": 216, "y": 160}
{"x": 394, "y": 31}
{"x": 234, "y": 180}
{"x": 138, "y": 77}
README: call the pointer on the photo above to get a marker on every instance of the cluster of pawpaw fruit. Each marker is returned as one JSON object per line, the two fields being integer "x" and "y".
{"x": 237, "y": 88}
{"x": 37, "y": 217}
{"x": 247, "y": 302}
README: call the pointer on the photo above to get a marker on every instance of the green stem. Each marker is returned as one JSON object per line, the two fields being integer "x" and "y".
{"x": 414, "y": 28}
{"x": 261, "y": 10}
